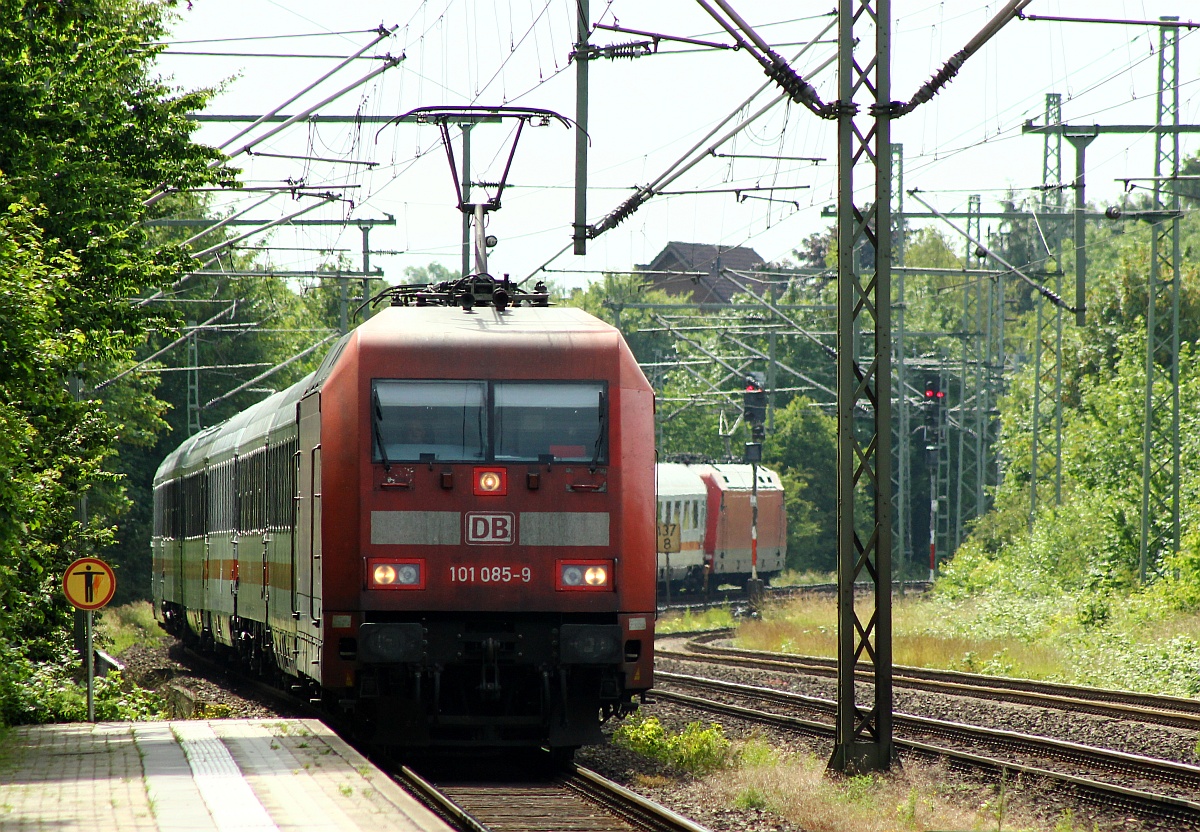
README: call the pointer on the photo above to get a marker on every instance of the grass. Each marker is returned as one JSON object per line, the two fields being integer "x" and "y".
{"x": 128, "y": 625}
{"x": 718, "y": 618}
{"x": 795, "y": 786}
{"x": 1135, "y": 645}
{"x": 808, "y": 626}
{"x": 793, "y": 577}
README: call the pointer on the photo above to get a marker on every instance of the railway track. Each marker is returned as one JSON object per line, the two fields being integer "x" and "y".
{"x": 578, "y": 799}
{"x": 1128, "y": 705}
{"x": 1083, "y": 765}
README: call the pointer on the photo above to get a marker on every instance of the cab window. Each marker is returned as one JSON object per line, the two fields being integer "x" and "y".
{"x": 429, "y": 420}
{"x": 550, "y": 421}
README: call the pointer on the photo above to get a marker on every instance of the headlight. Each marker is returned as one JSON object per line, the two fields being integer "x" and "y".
{"x": 388, "y": 573}
{"x": 589, "y": 575}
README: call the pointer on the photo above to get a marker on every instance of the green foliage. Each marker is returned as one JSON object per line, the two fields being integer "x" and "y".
{"x": 906, "y": 812}
{"x": 803, "y": 448}
{"x": 751, "y": 798}
{"x": 122, "y": 627}
{"x": 696, "y": 749}
{"x": 609, "y": 300}
{"x": 213, "y": 710}
{"x": 38, "y": 692}
{"x": 758, "y": 753}
{"x": 859, "y": 790}
{"x": 433, "y": 273}
{"x": 88, "y": 133}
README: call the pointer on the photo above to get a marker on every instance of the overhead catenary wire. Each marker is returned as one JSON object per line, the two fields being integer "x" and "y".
{"x": 944, "y": 75}
{"x": 682, "y": 165}
{"x": 231, "y": 309}
{"x": 162, "y": 191}
{"x": 381, "y": 34}
{"x": 211, "y": 250}
{"x": 270, "y": 372}
{"x": 225, "y": 221}
{"x": 1044, "y": 291}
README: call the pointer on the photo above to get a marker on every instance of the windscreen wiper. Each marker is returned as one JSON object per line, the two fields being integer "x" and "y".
{"x": 602, "y": 432}
{"x": 376, "y": 421}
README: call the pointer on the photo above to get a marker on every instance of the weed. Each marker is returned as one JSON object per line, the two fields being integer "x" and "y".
{"x": 751, "y": 798}
{"x": 757, "y": 752}
{"x": 907, "y": 811}
{"x": 718, "y": 618}
{"x": 695, "y": 749}
{"x": 345, "y": 790}
{"x": 120, "y": 628}
{"x": 859, "y": 790}
{"x": 212, "y": 710}
{"x": 652, "y": 781}
{"x": 1065, "y": 822}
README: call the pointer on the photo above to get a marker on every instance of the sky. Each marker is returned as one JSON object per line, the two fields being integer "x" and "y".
{"x": 645, "y": 113}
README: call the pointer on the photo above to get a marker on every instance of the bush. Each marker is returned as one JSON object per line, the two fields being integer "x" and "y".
{"x": 696, "y": 749}
{"x": 33, "y": 693}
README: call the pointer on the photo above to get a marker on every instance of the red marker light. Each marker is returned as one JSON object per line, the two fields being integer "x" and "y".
{"x": 491, "y": 482}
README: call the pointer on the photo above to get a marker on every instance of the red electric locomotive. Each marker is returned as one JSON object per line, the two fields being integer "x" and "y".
{"x": 446, "y": 531}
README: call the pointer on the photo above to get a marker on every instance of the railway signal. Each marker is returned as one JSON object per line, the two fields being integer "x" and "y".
{"x": 754, "y": 407}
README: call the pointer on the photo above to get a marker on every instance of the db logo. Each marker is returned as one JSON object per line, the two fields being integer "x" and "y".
{"x": 490, "y": 527}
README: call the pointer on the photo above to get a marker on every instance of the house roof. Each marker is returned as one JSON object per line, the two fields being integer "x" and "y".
{"x": 701, "y": 257}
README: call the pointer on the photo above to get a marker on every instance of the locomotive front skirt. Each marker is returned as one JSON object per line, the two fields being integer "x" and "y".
{"x": 447, "y": 531}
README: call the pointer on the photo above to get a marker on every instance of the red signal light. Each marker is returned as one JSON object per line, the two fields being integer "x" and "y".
{"x": 490, "y": 482}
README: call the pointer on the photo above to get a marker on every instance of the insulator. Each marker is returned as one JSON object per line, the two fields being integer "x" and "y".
{"x": 636, "y": 49}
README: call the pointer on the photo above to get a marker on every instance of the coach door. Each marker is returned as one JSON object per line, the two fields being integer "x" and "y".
{"x": 306, "y": 555}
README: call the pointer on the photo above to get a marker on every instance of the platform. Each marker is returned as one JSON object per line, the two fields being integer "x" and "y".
{"x": 236, "y": 775}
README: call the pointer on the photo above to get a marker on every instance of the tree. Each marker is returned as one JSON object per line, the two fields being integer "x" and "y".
{"x": 433, "y": 273}
{"x": 87, "y": 135}
{"x": 803, "y": 447}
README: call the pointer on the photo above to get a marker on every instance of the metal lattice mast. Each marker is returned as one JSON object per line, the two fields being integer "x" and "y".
{"x": 193, "y": 380}
{"x": 864, "y": 733}
{"x": 980, "y": 323}
{"x": 1160, "y": 460}
{"x": 969, "y": 485}
{"x": 941, "y": 495}
{"x": 1046, "y": 441}
{"x": 902, "y": 542}
{"x": 1052, "y": 195}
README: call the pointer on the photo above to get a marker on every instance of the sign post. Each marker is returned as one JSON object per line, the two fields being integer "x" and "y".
{"x": 89, "y": 584}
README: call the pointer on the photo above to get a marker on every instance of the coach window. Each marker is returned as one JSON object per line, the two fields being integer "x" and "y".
{"x": 559, "y": 421}
{"x": 438, "y": 420}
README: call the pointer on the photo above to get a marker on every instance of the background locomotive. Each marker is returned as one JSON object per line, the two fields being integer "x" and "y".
{"x": 710, "y": 506}
{"x": 446, "y": 531}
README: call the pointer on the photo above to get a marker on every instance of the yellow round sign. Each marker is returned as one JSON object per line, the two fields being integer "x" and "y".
{"x": 89, "y": 583}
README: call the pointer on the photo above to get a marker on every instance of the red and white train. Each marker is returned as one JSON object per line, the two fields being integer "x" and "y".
{"x": 709, "y": 507}
{"x": 447, "y": 531}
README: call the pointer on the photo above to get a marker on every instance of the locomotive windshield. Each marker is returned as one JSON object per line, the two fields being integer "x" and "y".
{"x": 504, "y": 421}
{"x": 561, "y": 420}
{"x": 440, "y": 420}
